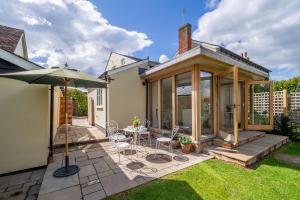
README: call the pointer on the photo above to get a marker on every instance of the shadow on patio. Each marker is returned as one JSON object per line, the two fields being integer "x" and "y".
{"x": 102, "y": 175}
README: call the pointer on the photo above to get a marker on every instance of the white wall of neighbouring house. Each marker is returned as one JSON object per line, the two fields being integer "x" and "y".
{"x": 99, "y": 111}
{"x": 127, "y": 97}
{"x": 117, "y": 60}
{"x": 24, "y": 125}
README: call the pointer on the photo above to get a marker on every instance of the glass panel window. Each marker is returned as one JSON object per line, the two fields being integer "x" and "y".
{"x": 206, "y": 102}
{"x": 154, "y": 104}
{"x": 184, "y": 102}
{"x": 166, "y": 103}
{"x": 99, "y": 97}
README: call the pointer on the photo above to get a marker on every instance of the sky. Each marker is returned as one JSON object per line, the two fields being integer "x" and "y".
{"x": 83, "y": 33}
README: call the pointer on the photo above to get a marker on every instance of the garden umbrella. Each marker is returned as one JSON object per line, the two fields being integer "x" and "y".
{"x": 56, "y": 76}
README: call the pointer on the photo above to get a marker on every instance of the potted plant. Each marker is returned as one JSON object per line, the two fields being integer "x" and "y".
{"x": 186, "y": 143}
{"x": 136, "y": 122}
{"x": 175, "y": 143}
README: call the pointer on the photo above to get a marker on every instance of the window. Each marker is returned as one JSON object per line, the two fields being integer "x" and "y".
{"x": 154, "y": 104}
{"x": 99, "y": 97}
{"x": 184, "y": 101}
{"x": 206, "y": 102}
{"x": 166, "y": 103}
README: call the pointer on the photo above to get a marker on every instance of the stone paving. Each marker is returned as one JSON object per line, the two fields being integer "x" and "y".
{"x": 79, "y": 132}
{"x": 101, "y": 174}
{"x": 24, "y": 185}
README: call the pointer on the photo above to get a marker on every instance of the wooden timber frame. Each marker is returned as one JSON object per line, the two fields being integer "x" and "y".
{"x": 195, "y": 70}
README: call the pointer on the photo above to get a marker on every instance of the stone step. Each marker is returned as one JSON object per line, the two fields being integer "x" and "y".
{"x": 247, "y": 154}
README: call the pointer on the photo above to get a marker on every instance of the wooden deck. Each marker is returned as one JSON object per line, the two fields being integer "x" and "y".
{"x": 248, "y": 153}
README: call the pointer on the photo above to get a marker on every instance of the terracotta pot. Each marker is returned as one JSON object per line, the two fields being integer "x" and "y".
{"x": 135, "y": 125}
{"x": 186, "y": 148}
{"x": 175, "y": 144}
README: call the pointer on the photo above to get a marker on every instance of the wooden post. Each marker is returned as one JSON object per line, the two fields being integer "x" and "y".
{"x": 174, "y": 122}
{"x": 271, "y": 105}
{"x": 215, "y": 105}
{"x": 159, "y": 103}
{"x": 235, "y": 103}
{"x": 196, "y": 108}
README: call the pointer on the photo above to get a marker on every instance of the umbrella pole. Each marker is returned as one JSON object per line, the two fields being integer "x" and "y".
{"x": 66, "y": 170}
{"x": 66, "y": 126}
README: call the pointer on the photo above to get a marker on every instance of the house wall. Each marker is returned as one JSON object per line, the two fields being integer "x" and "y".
{"x": 24, "y": 122}
{"x": 127, "y": 97}
{"x": 115, "y": 61}
{"x": 20, "y": 48}
{"x": 57, "y": 95}
{"x": 99, "y": 112}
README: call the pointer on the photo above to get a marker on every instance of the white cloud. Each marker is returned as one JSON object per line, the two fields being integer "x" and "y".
{"x": 163, "y": 58}
{"x": 73, "y": 29}
{"x": 211, "y": 4}
{"x": 268, "y": 30}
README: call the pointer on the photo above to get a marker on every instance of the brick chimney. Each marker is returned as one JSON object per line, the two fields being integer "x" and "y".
{"x": 185, "y": 38}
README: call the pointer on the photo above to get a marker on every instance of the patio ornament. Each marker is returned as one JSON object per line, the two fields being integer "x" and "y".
{"x": 57, "y": 76}
{"x": 186, "y": 143}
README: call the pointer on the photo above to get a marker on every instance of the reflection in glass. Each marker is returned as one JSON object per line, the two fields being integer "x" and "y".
{"x": 184, "y": 101}
{"x": 154, "y": 104}
{"x": 258, "y": 111}
{"x": 166, "y": 103}
{"x": 206, "y": 102}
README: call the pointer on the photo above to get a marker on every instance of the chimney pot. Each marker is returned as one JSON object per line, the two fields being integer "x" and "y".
{"x": 185, "y": 38}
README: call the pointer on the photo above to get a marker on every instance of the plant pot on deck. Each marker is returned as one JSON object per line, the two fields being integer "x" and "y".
{"x": 175, "y": 144}
{"x": 186, "y": 148}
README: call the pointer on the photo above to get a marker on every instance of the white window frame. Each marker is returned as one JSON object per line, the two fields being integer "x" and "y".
{"x": 99, "y": 100}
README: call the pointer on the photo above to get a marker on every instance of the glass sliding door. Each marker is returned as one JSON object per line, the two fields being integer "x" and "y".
{"x": 227, "y": 105}
{"x": 206, "y": 103}
{"x": 184, "y": 102}
{"x": 166, "y": 103}
{"x": 154, "y": 104}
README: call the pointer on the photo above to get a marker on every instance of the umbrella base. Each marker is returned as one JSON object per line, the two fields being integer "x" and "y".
{"x": 66, "y": 171}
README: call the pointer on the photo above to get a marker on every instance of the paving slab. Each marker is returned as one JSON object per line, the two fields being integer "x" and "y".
{"x": 117, "y": 183}
{"x": 51, "y": 183}
{"x": 71, "y": 193}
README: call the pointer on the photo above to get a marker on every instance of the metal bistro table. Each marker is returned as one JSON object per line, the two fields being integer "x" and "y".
{"x": 135, "y": 132}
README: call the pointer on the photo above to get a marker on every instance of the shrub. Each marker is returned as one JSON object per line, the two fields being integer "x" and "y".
{"x": 80, "y": 102}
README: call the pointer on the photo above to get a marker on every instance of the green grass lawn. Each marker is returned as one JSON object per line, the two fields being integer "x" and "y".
{"x": 215, "y": 179}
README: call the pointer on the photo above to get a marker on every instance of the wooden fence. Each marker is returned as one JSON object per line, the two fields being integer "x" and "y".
{"x": 282, "y": 101}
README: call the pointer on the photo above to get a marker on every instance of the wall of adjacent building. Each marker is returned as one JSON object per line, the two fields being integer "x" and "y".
{"x": 126, "y": 97}
{"x": 117, "y": 60}
{"x": 57, "y": 95}
{"x": 99, "y": 111}
{"x": 24, "y": 122}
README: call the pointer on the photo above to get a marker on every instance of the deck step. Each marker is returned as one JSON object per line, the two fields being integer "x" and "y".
{"x": 247, "y": 154}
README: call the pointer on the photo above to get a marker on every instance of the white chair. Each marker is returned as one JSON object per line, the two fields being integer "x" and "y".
{"x": 144, "y": 131}
{"x": 167, "y": 140}
{"x": 112, "y": 132}
{"x": 124, "y": 144}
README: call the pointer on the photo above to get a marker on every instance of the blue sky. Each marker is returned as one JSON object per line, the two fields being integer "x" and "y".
{"x": 160, "y": 20}
{"x": 83, "y": 33}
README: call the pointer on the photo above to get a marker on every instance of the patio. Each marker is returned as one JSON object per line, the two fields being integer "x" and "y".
{"x": 80, "y": 133}
{"x": 101, "y": 174}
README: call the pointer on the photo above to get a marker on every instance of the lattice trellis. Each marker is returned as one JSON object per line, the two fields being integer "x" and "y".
{"x": 294, "y": 101}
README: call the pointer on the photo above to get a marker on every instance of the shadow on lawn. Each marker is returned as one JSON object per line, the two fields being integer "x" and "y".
{"x": 160, "y": 189}
{"x": 271, "y": 160}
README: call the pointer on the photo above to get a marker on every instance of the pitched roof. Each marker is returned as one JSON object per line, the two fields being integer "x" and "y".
{"x": 9, "y": 38}
{"x": 131, "y": 57}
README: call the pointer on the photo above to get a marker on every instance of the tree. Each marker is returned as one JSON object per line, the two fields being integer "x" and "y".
{"x": 291, "y": 85}
{"x": 80, "y": 102}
